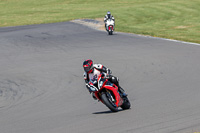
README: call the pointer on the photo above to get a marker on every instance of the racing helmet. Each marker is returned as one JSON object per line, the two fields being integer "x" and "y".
{"x": 88, "y": 65}
{"x": 109, "y": 14}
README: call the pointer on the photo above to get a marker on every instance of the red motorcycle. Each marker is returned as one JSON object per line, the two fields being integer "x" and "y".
{"x": 108, "y": 94}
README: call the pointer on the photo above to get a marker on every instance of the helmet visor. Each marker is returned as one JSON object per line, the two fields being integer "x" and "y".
{"x": 87, "y": 69}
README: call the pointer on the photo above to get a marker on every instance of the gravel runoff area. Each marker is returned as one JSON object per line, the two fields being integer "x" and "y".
{"x": 93, "y": 23}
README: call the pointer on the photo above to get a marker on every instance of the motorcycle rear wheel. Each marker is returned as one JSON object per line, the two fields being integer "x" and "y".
{"x": 108, "y": 103}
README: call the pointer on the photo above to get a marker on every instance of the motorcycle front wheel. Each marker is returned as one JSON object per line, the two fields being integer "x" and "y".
{"x": 126, "y": 104}
{"x": 108, "y": 102}
{"x": 110, "y": 32}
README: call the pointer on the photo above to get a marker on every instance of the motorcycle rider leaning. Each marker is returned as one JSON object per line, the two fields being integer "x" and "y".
{"x": 92, "y": 71}
{"x": 108, "y": 16}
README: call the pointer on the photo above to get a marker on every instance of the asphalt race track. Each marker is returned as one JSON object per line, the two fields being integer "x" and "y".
{"x": 42, "y": 88}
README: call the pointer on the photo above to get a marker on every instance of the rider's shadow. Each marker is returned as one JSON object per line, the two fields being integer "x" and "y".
{"x": 107, "y": 112}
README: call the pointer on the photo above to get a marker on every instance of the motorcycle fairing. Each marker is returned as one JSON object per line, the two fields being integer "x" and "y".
{"x": 110, "y": 25}
{"x": 114, "y": 89}
{"x": 105, "y": 84}
{"x": 110, "y": 28}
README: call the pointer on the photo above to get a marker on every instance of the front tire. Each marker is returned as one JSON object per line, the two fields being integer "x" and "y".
{"x": 126, "y": 104}
{"x": 108, "y": 103}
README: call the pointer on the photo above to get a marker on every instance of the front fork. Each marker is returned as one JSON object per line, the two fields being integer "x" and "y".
{"x": 98, "y": 94}
{"x": 109, "y": 95}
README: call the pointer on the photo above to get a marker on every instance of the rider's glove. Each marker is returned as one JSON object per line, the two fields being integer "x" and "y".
{"x": 109, "y": 71}
{"x": 91, "y": 87}
{"x": 108, "y": 74}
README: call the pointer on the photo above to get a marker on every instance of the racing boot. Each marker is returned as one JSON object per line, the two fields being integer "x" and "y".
{"x": 121, "y": 90}
{"x": 94, "y": 97}
{"x": 115, "y": 80}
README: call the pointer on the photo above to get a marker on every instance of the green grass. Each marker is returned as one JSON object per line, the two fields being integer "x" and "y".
{"x": 173, "y": 19}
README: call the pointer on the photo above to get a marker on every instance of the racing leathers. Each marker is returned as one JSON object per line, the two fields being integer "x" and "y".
{"x": 108, "y": 17}
{"x": 94, "y": 74}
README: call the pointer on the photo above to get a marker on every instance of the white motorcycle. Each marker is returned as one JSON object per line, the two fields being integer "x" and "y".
{"x": 110, "y": 26}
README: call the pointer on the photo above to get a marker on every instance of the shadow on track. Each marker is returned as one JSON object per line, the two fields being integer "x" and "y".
{"x": 107, "y": 112}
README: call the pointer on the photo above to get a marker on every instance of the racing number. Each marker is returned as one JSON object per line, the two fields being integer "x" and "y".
{"x": 94, "y": 77}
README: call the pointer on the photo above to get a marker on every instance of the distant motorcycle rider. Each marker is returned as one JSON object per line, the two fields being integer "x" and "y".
{"x": 92, "y": 71}
{"x": 108, "y": 16}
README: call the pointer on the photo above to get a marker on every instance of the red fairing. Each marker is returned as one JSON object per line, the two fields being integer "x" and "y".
{"x": 110, "y": 27}
{"x": 114, "y": 89}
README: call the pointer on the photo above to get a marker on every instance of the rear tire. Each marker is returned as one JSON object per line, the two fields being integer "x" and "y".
{"x": 108, "y": 103}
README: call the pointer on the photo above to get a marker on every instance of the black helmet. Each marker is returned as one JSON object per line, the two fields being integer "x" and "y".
{"x": 88, "y": 65}
{"x": 109, "y": 14}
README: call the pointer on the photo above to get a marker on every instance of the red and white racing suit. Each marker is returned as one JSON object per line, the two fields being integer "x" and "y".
{"x": 94, "y": 74}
